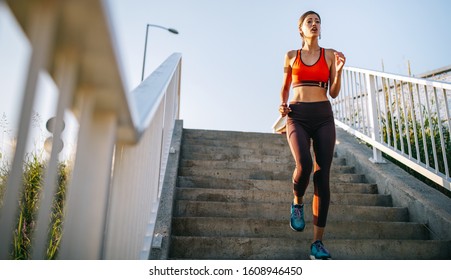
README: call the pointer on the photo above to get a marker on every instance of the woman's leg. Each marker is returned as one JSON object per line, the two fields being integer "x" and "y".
{"x": 323, "y": 145}
{"x": 299, "y": 142}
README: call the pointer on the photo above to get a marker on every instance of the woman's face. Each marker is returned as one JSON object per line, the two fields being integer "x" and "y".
{"x": 311, "y": 26}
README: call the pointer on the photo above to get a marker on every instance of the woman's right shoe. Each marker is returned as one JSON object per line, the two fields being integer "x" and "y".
{"x": 319, "y": 252}
{"x": 297, "y": 222}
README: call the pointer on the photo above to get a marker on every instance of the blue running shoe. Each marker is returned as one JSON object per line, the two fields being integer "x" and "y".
{"x": 319, "y": 252}
{"x": 297, "y": 222}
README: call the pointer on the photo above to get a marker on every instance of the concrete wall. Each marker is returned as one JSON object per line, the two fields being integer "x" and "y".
{"x": 162, "y": 233}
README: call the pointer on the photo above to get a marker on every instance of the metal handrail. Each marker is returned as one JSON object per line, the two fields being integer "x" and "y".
{"x": 403, "y": 117}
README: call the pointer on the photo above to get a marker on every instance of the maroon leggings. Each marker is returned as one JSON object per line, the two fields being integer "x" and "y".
{"x": 312, "y": 122}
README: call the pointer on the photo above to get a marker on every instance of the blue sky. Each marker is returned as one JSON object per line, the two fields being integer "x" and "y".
{"x": 233, "y": 50}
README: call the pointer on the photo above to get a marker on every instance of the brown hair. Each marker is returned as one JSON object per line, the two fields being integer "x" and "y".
{"x": 302, "y": 18}
{"x": 304, "y": 15}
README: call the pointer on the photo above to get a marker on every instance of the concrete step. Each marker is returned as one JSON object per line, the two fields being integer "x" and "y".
{"x": 186, "y": 208}
{"x": 231, "y": 174}
{"x": 337, "y": 166}
{"x": 247, "y": 154}
{"x": 275, "y": 196}
{"x": 230, "y": 136}
{"x": 260, "y": 174}
{"x": 233, "y": 153}
{"x": 237, "y": 143}
{"x": 249, "y": 227}
{"x": 251, "y": 184}
{"x": 245, "y": 248}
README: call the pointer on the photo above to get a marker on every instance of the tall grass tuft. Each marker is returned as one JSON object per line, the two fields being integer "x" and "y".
{"x": 4, "y": 172}
{"x": 33, "y": 178}
{"x": 56, "y": 232}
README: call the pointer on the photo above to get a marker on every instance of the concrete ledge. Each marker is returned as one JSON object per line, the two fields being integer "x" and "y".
{"x": 162, "y": 232}
{"x": 426, "y": 205}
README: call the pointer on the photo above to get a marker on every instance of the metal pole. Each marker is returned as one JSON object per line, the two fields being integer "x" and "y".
{"x": 172, "y": 30}
{"x": 145, "y": 49}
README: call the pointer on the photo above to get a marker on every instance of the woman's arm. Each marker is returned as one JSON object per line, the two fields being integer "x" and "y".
{"x": 338, "y": 61}
{"x": 286, "y": 84}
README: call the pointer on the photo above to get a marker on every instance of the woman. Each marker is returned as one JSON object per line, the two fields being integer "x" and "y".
{"x": 311, "y": 72}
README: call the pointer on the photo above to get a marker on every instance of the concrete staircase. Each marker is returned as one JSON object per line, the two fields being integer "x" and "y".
{"x": 232, "y": 201}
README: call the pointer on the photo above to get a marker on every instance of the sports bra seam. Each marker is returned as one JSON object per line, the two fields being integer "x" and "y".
{"x": 319, "y": 58}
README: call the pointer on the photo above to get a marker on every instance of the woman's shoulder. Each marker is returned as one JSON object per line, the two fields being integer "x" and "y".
{"x": 330, "y": 55}
{"x": 291, "y": 54}
{"x": 329, "y": 50}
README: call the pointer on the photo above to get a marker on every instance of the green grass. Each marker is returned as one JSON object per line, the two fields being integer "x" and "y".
{"x": 33, "y": 175}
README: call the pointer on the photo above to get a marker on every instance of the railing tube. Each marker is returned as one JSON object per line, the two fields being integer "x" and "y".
{"x": 67, "y": 70}
{"x": 87, "y": 194}
{"x": 372, "y": 118}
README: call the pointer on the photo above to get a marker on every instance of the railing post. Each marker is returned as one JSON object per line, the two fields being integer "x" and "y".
{"x": 88, "y": 193}
{"x": 372, "y": 117}
{"x": 66, "y": 69}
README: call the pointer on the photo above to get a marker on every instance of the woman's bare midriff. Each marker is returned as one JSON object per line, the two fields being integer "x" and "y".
{"x": 309, "y": 94}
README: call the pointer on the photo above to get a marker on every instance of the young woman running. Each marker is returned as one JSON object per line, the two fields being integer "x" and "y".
{"x": 311, "y": 72}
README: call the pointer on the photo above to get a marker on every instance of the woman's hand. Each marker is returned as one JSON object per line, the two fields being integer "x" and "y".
{"x": 340, "y": 60}
{"x": 284, "y": 109}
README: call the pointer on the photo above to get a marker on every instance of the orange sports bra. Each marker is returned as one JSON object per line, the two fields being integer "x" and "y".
{"x": 310, "y": 75}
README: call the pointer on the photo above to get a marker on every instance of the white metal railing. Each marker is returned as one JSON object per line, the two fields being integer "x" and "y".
{"x": 403, "y": 117}
{"x": 122, "y": 142}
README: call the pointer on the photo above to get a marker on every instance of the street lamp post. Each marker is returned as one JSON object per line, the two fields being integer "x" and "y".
{"x": 172, "y": 30}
